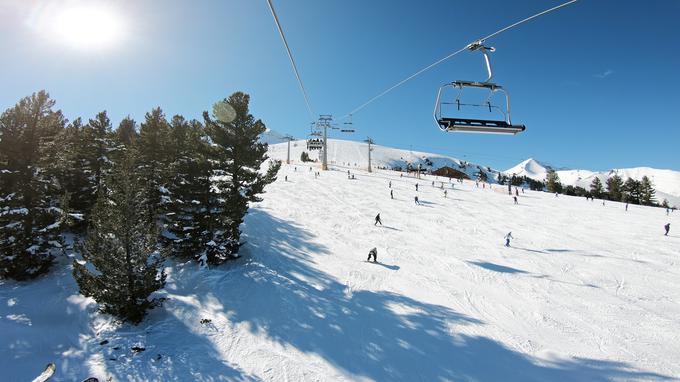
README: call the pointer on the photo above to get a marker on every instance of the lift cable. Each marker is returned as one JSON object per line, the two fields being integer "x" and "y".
{"x": 468, "y": 46}
{"x": 292, "y": 61}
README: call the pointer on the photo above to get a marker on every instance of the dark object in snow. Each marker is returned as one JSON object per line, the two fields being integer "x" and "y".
{"x": 667, "y": 227}
{"x": 91, "y": 379}
{"x": 373, "y": 253}
{"x": 116, "y": 347}
{"x": 104, "y": 342}
{"x": 137, "y": 349}
{"x": 47, "y": 373}
{"x": 205, "y": 321}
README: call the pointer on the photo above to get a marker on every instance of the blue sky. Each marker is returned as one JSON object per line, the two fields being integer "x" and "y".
{"x": 595, "y": 82}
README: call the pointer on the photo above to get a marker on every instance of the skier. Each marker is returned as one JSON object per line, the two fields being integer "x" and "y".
{"x": 416, "y": 186}
{"x": 668, "y": 228}
{"x": 377, "y": 219}
{"x": 391, "y": 194}
{"x": 514, "y": 197}
{"x": 516, "y": 192}
{"x": 374, "y": 253}
{"x": 286, "y": 178}
{"x": 507, "y": 239}
{"x": 417, "y": 202}
{"x": 626, "y": 206}
{"x": 348, "y": 173}
{"x": 444, "y": 193}
{"x": 433, "y": 183}
{"x": 390, "y": 186}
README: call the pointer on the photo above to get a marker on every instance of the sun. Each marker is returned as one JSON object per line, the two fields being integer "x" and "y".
{"x": 89, "y": 26}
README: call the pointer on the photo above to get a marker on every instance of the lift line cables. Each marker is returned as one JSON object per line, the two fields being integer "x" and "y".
{"x": 292, "y": 61}
{"x": 468, "y": 46}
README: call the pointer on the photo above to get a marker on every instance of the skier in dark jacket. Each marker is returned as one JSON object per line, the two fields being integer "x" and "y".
{"x": 377, "y": 220}
{"x": 507, "y": 239}
{"x": 668, "y": 228}
{"x": 373, "y": 253}
{"x": 417, "y": 202}
{"x": 391, "y": 194}
{"x": 416, "y": 186}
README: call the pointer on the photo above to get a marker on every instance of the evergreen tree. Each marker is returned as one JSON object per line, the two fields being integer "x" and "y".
{"x": 152, "y": 150}
{"x": 552, "y": 182}
{"x": 29, "y": 194}
{"x": 126, "y": 134}
{"x": 190, "y": 221}
{"x": 121, "y": 266}
{"x": 615, "y": 187}
{"x": 596, "y": 188}
{"x": 482, "y": 176}
{"x": 238, "y": 155}
{"x": 647, "y": 192}
{"x": 631, "y": 191}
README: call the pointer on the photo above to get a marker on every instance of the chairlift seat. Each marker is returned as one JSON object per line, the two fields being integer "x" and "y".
{"x": 478, "y": 126}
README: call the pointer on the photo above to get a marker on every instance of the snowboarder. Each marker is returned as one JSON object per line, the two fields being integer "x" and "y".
{"x": 373, "y": 253}
{"x": 668, "y": 228}
{"x": 507, "y": 239}
{"x": 514, "y": 197}
{"x": 417, "y": 202}
{"x": 377, "y": 220}
{"x": 391, "y": 194}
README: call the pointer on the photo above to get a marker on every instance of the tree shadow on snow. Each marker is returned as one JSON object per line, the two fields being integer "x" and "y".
{"x": 379, "y": 335}
{"x": 496, "y": 267}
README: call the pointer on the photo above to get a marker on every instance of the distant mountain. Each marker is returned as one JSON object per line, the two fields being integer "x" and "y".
{"x": 666, "y": 182}
{"x": 272, "y": 137}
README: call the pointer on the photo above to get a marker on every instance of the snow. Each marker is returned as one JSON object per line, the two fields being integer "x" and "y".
{"x": 666, "y": 182}
{"x": 585, "y": 293}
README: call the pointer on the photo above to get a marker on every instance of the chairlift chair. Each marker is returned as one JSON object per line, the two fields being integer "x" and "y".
{"x": 460, "y": 124}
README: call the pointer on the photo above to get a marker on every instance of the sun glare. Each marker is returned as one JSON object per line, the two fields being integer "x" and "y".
{"x": 88, "y": 27}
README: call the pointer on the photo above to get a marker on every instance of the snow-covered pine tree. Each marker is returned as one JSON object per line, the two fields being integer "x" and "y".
{"x": 238, "y": 156}
{"x": 153, "y": 159}
{"x": 29, "y": 196}
{"x": 647, "y": 192}
{"x": 122, "y": 261}
{"x": 596, "y": 188}
{"x": 189, "y": 214}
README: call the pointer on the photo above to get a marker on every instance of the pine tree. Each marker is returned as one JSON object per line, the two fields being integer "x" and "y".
{"x": 153, "y": 159}
{"x": 631, "y": 191}
{"x": 239, "y": 155}
{"x": 552, "y": 182}
{"x": 647, "y": 192}
{"x": 596, "y": 188}
{"x": 190, "y": 221}
{"x": 121, "y": 266}
{"x": 29, "y": 194}
{"x": 615, "y": 187}
{"x": 126, "y": 134}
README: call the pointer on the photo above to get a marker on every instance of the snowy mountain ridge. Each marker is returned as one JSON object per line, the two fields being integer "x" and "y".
{"x": 666, "y": 182}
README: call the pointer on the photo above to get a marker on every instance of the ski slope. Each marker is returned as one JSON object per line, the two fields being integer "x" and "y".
{"x": 586, "y": 292}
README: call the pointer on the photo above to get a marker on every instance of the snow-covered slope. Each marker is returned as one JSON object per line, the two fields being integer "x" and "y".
{"x": 666, "y": 182}
{"x": 586, "y": 292}
{"x": 352, "y": 154}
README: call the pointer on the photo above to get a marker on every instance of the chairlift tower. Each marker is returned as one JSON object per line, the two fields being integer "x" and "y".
{"x": 324, "y": 123}
{"x": 370, "y": 142}
{"x": 288, "y": 138}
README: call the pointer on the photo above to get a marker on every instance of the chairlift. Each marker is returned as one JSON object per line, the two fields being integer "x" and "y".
{"x": 349, "y": 126}
{"x": 460, "y": 124}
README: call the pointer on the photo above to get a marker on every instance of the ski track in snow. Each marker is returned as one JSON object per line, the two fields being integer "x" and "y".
{"x": 585, "y": 292}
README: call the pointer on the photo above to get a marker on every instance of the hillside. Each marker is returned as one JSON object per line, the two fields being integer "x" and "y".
{"x": 352, "y": 154}
{"x": 586, "y": 292}
{"x": 666, "y": 182}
